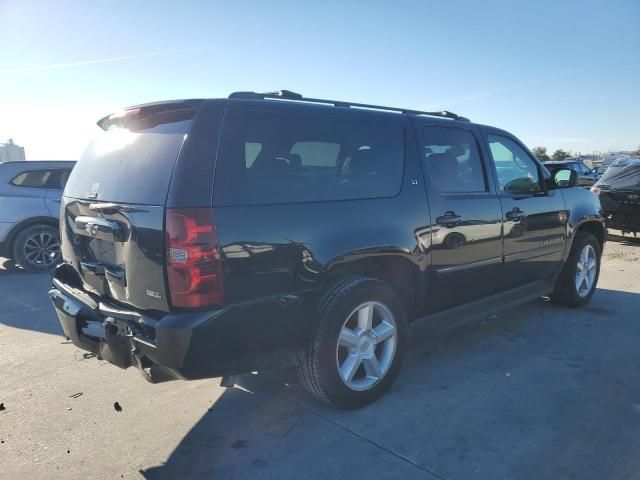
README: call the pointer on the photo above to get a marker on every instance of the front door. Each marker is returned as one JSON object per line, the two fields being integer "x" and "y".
{"x": 466, "y": 243}
{"x": 534, "y": 219}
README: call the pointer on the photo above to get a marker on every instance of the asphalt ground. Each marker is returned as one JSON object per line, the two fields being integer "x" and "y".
{"x": 536, "y": 392}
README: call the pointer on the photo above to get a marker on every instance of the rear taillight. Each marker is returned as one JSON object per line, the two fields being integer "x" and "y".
{"x": 595, "y": 190}
{"x": 194, "y": 269}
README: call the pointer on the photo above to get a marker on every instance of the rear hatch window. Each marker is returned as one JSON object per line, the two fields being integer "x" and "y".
{"x": 132, "y": 159}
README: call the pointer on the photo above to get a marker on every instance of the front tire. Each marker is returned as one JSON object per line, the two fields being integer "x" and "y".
{"x": 358, "y": 344}
{"x": 577, "y": 283}
{"x": 37, "y": 248}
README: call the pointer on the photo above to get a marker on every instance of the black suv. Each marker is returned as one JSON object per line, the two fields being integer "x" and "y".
{"x": 206, "y": 238}
{"x": 585, "y": 177}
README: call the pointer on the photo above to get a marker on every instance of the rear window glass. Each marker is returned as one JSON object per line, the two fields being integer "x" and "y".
{"x": 130, "y": 164}
{"x": 268, "y": 157}
{"x": 46, "y": 178}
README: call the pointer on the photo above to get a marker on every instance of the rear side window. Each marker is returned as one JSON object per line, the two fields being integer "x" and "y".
{"x": 132, "y": 162}
{"x": 45, "y": 178}
{"x": 453, "y": 161}
{"x": 268, "y": 157}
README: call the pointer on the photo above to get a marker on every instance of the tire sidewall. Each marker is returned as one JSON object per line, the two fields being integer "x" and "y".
{"x": 18, "y": 247}
{"x": 331, "y": 321}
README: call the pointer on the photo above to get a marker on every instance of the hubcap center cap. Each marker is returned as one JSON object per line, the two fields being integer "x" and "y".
{"x": 367, "y": 343}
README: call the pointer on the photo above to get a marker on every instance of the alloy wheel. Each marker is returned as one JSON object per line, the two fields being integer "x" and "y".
{"x": 586, "y": 270}
{"x": 42, "y": 249}
{"x": 366, "y": 346}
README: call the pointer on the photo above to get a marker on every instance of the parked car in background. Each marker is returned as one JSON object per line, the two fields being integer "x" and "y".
{"x": 585, "y": 176}
{"x": 600, "y": 170}
{"x": 619, "y": 191}
{"x": 214, "y": 237}
{"x": 30, "y": 193}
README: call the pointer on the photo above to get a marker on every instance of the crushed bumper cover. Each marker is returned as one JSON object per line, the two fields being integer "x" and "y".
{"x": 182, "y": 345}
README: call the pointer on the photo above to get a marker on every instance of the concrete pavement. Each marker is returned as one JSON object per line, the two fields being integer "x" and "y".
{"x": 538, "y": 392}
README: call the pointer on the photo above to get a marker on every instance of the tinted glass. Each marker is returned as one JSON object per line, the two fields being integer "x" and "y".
{"x": 129, "y": 165}
{"x": 517, "y": 171}
{"x": 452, "y": 160}
{"x": 45, "y": 178}
{"x": 268, "y": 157}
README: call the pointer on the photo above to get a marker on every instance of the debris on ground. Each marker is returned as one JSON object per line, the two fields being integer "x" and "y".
{"x": 117, "y": 407}
{"x": 68, "y": 451}
{"x": 68, "y": 408}
{"x": 2, "y": 407}
{"x": 239, "y": 444}
{"x": 76, "y": 395}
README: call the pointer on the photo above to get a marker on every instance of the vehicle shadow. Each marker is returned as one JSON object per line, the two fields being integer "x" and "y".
{"x": 537, "y": 392}
{"x": 628, "y": 239}
{"x": 24, "y": 301}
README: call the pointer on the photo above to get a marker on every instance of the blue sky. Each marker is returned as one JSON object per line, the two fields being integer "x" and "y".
{"x": 562, "y": 74}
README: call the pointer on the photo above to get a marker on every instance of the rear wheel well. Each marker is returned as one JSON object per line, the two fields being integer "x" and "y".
{"x": 397, "y": 272}
{"x": 596, "y": 229}
{"x": 51, "y": 222}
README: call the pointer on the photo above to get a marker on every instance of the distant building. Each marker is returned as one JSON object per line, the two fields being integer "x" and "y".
{"x": 10, "y": 152}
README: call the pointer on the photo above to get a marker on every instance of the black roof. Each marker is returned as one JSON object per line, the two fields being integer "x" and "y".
{"x": 288, "y": 95}
{"x": 286, "y": 99}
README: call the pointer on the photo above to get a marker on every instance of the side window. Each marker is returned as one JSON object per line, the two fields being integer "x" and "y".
{"x": 517, "y": 171}
{"x": 32, "y": 179}
{"x": 318, "y": 154}
{"x": 58, "y": 179}
{"x": 270, "y": 157}
{"x": 54, "y": 179}
{"x": 452, "y": 159}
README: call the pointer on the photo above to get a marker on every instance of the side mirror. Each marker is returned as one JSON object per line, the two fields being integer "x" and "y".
{"x": 565, "y": 178}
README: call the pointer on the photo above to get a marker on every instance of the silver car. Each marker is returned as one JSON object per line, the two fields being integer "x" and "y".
{"x": 30, "y": 193}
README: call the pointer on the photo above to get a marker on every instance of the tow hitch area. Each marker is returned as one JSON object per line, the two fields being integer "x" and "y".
{"x": 109, "y": 338}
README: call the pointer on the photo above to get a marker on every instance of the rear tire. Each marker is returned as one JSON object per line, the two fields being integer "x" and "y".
{"x": 577, "y": 282}
{"x": 358, "y": 344}
{"x": 36, "y": 248}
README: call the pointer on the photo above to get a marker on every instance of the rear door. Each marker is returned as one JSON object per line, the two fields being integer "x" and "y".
{"x": 55, "y": 186}
{"x": 23, "y": 195}
{"x": 534, "y": 219}
{"x": 465, "y": 214}
{"x": 114, "y": 202}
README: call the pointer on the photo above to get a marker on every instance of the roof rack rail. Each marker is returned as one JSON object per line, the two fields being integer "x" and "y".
{"x": 289, "y": 95}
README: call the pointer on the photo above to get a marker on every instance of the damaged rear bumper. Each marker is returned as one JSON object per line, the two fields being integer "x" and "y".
{"x": 185, "y": 345}
{"x": 157, "y": 347}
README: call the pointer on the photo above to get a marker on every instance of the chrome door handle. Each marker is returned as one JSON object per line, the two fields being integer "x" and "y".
{"x": 515, "y": 214}
{"x": 449, "y": 219}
